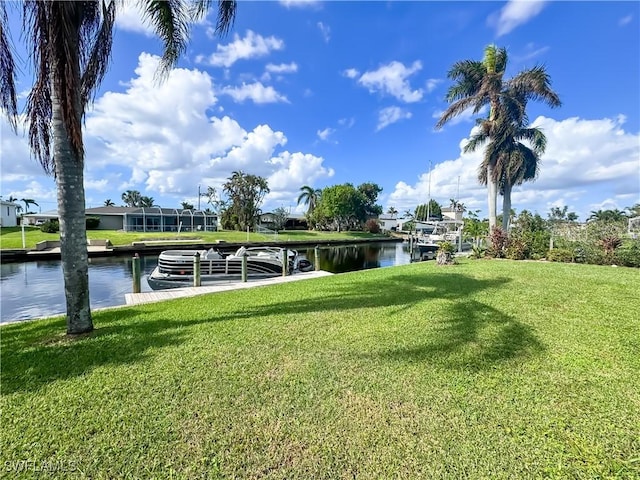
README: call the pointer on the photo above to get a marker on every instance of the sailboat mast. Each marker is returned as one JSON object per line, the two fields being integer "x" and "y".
{"x": 429, "y": 193}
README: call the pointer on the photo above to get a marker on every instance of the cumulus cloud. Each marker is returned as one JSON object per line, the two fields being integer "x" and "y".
{"x": 432, "y": 83}
{"x": 514, "y": 14}
{"x": 300, "y": 3}
{"x": 256, "y": 92}
{"x": 585, "y": 160}
{"x": 390, "y": 115}
{"x": 162, "y": 141}
{"x": 390, "y": 79}
{"x": 130, "y": 18}
{"x": 252, "y": 45}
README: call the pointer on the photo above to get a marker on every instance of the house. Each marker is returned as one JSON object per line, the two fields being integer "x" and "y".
{"x": 142, "y": 219}
{"x": 295, "y": 221}
{"x": 9, "y": 214}
{"x": 452, "y": 214}
{"x": 389, "y": 223}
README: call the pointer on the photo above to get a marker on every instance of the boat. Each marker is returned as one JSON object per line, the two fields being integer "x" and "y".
{"x": 175, "y": 267}
{"x": 427, "y": 250}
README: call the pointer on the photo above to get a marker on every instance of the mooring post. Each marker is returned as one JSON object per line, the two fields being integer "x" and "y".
{"x": 136, "y": 273}
{"x": 285, "y": 261}
{"x": 196, "y": 269}
{"x": 316, "y": 264}
{"x": 244, "y": 267}
{"x": 410, "y": 247}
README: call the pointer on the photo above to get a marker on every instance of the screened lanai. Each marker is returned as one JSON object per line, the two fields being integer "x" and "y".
{"x": 156, "y": 219}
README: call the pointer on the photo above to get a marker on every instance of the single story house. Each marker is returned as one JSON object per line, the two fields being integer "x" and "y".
{"x": 295, "y": 221}
{"x": 142, "y": 219}
{"x": 9, "y": 214}
{"x": 389, "y": 223}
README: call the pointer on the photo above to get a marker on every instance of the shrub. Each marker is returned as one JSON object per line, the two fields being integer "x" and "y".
{"x": 516, "y": 249}
{"x": 478, "y": 251}
{"x": 50, "y": 226}
{"x": 560, "y": 255}
{"x": 92, "y": 223}
{"x": 498, "y": 241}
{"x": 628, "y": 254}
{"x": 372, "y": 226}
{"x": 446, "y": 253}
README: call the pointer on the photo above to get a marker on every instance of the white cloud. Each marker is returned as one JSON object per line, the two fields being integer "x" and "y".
{"x": 625, "y": 20}
{"x": 391, "y": 79}
{"x": 347, "y": 122}
{"x": 325, "y": 134}
{"x": 282, "y": 68}
{"x": 256, "y": 92}
{"x": 514, "y": 14}
{"x": 300, "y": 3}
{"x": 432, "y": 83}
{"x": 390, "y": 115}
{"x": 130, "y": 18}
{"x": 585, "y": 161}
{"x": 251, "y": 46}
{"x": 351, "y": 73}
{"x": 325, "y": 30}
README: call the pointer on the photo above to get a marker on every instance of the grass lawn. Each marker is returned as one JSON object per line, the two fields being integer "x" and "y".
{"x": 11, "y": 237}
{"x": 487, "y": 369}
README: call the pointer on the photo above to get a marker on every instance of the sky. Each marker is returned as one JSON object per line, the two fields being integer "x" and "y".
{"x": 324, "y": 93}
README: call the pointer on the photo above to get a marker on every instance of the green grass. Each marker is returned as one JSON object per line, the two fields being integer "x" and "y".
{"x": 11, "y": 237}
{"x": 487, "y": 369}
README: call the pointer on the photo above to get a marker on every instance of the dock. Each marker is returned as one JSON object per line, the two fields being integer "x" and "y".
{"x": 169, "y": 294}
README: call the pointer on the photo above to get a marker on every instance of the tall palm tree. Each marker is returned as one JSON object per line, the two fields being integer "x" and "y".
{"x": 109, "y": 203}
{"x": 513, "y": 162}
{"x": 27, "y": 202}
{"x": 70, "y": 45}
{"x": 309, "y": 197}
{"x": 147, "y": 201}
{"x": 392, "y": 211}
{"x": 131, "y": 198}
{"x": 480, "y": 84}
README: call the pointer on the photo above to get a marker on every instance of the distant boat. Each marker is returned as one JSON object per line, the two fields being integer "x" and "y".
{"x": 175, "y": 267}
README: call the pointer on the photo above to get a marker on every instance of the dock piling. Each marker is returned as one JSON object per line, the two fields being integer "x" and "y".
{"x": 196, "y": 269}
{"x": 316, "y": 262}
{"x": 244, "y": 267}
{"x": 136, "y": 273}
{"x": 285, "y": 261}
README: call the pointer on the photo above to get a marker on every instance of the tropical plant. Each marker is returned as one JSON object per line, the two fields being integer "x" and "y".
{"x": 147, "y": 201}
{"x": 186, "y": 205}
{"x": 372, "y": 226}
{"x": 446, "y": 253}
{"x": 131, "y": 198}
{"x": 513, "y": 161}
{"x": 392, "y": 211}
{"x": 310, "y": 197}
{"x": 480, "y": 84}
{"x": 341, "y": 207}
{"x": 280, "y": 217}
{"x": 370, "y": 191}
{"x": 246, "y": 193}
{"x": 109, "y": 203}
{"x": 70, "y": 45}
{"x": 607, "y": 215}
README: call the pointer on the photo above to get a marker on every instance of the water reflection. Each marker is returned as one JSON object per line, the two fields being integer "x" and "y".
{"x": 35, "y": 289}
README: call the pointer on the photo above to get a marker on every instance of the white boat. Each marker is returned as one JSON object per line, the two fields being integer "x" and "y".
{"x": 175, "y": 267}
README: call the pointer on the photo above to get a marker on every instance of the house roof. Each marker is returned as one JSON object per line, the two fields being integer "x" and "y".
{"x": 119, "y": 211}
{"x": 9, "y": 203}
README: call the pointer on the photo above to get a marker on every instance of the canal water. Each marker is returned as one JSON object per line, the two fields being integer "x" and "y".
{"x": 35, "y": 289}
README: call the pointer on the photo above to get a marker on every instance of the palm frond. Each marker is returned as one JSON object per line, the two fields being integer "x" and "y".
{"x": 98, "y": 40}
{"x": 535, "y": 84}
{"x": 8, "y": 96}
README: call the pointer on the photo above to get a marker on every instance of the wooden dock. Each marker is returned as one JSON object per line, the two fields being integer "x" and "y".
{"x": 161, "y": 295}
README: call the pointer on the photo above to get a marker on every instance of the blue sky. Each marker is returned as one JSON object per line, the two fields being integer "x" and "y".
{"x": 321, "y": 93}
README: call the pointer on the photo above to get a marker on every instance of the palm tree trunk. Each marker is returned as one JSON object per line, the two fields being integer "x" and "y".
{"x": 492, "y": 198}
{"x": 71, "y": 212}
{"x": 506, "y": 206}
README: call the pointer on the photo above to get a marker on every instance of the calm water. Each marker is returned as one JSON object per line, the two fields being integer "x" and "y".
{"x": 35, "y": 289}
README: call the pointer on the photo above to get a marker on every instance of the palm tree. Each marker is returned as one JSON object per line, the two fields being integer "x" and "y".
{"x": 108, "y": 203}
{"x": 392, "y": 211}
{"x": 131, "y": 198}
{"x": 70, "y": 43}
{"x": 27, "y": 202}
{"x": 186, "y": 205}
{"x": 147, "y": 202}
{"x": 310, "y": 197}
{"x": 478, "y": 84}
{"x": 513, "y": 161}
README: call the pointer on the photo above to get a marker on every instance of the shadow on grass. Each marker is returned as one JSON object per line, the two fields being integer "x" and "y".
{"x": 472, "y": 336}
{"x": 36, "y": 354}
